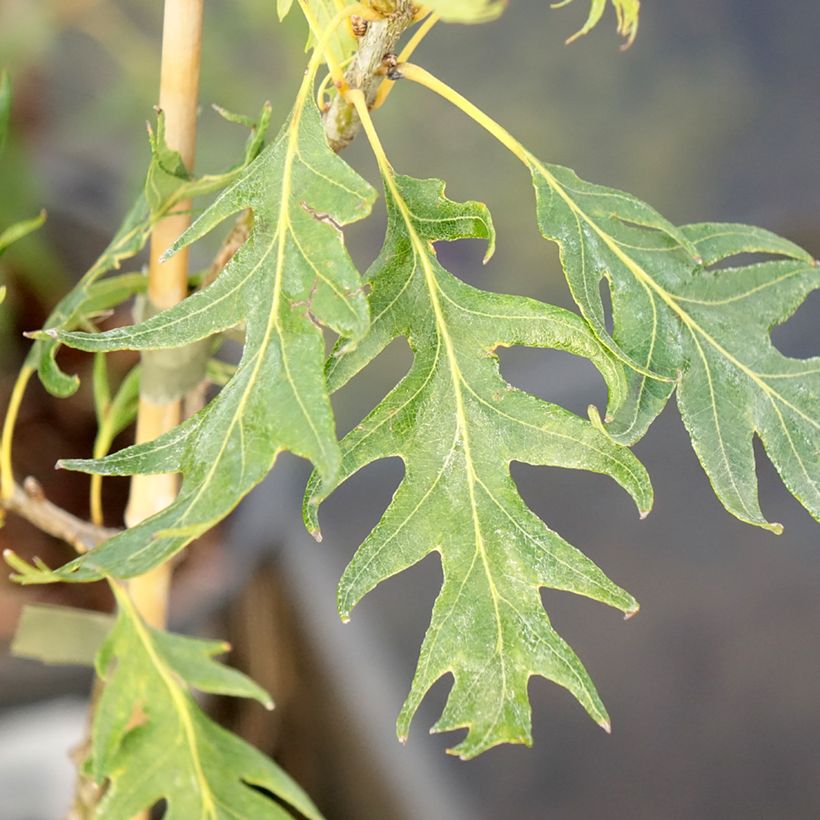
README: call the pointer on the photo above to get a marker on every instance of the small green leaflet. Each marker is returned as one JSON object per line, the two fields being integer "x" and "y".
{"x": 457, "y": 425}
{"x": 18, "y": 230}
{"x": 173, "y": 750}
{"x": 626, "y": 12}
{"x": 292, "y": 274}
{"x": 678, "y": 320}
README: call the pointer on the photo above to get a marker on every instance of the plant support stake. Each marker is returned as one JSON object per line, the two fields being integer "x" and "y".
{"x": 167, "y": 282}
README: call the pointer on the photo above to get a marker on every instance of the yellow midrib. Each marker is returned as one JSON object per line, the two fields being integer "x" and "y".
{"x": 273, "y": 320}
{"x": 421, "y": 251}
{"x": 647, "y": 281}
{"x": 178, "y": 700}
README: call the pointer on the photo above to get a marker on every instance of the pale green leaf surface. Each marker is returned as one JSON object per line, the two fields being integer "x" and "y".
{"x": 457, "y": 425}
{"x": 467, "y": 11}
{"x": 282, "y": 8}
{"x": 292, "y": 273}
{"x": 20, "y": 229}
{"x": 627, "y": 13}
{"x": 704, "y": 328}
{"x": 60, "y": 634}
{"x": 5, "y": 106}
{"x": 341, "y": 43}
{"x": 174, "y": 751}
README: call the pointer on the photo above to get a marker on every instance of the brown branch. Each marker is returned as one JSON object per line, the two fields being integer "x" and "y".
{"x": 30, "y": 503}
{"x": 366, "y": 70}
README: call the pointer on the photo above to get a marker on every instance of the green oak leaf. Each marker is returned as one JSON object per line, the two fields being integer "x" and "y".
{"x": 626, "y": 12}
{"x": 151, "y": 741}
{"x": 457, "y": 425}
{"x": 292, "y": 274}
{"x": 705, "y": 329}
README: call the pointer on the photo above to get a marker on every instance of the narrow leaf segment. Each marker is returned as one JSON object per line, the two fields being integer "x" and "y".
{"x": 707, "y": 328}
{"x": 626, "y": 12}
{"x": 291, "y": 276}
{"x": 457, "y": 425}
{"x": 151, "y": 741}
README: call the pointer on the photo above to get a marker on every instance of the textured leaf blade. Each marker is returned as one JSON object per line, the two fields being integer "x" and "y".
{"x": 705, "y": 328}
{"x": 173, "y": 750}
{"x": 457, "y": 425}
{"x": 292, "y": 274}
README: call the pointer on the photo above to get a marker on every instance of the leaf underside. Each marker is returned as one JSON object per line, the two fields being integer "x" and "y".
{"x": 291, "y": 276}
{"x": 151, "y": 741}
{"x": 457, "y": 425}
{"x": 703, "y": 328}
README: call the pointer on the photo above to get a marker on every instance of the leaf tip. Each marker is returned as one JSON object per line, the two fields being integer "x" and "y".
{"x": 42, "y": 335}
{"x": 606, "y": 726}
{"x": 643, "y": 514}
{"x": 775, "y": 527}
{"x": 632, "y": 611}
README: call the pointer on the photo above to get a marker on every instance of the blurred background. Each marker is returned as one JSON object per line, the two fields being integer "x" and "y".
{"x": 713, "y": 114}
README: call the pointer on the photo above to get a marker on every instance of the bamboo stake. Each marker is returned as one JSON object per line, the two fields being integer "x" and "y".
{"x": 167, "y": 282}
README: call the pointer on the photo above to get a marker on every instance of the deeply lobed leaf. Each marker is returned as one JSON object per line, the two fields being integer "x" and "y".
{"x": 292, "y": 274}
{"x": 457, "y": 425}
{"x": 678, "y": 319}
{"x": 151, "y": 741}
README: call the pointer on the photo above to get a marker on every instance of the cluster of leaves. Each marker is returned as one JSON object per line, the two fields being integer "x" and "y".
{"x": 681, "y": 321}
